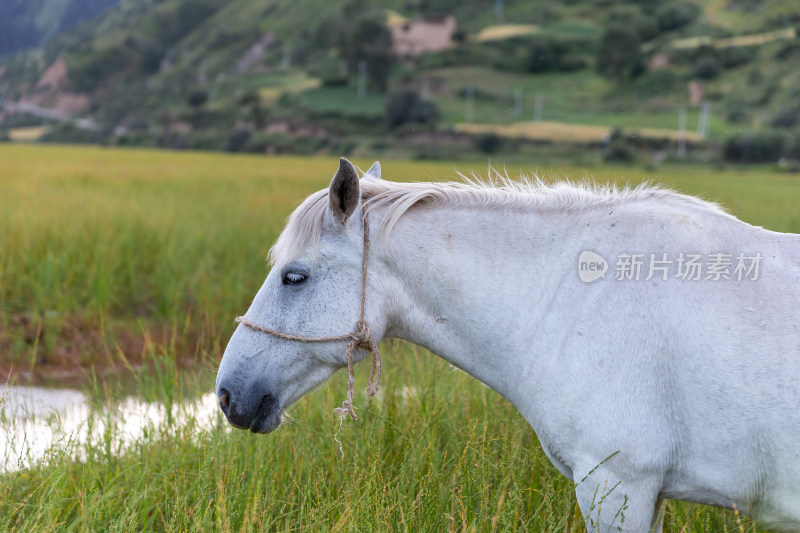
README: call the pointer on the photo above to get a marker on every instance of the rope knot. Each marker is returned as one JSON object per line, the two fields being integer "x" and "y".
{"x": 363, "y": 338}
{"x": 362, "y": 335}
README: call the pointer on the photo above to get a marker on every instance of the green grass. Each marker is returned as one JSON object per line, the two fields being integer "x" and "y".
{"x": 436, "y": 451}
{"x": 145, "y": 238}
{"x": 343, "y": 101}
{"x": 573, "y": 28}
{"x": 752, "y": 19}
{"x": 582, "y": 97}
{"x": 494, "y": 100}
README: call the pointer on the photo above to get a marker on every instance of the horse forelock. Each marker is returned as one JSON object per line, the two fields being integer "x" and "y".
{"x": 497, "y": 191}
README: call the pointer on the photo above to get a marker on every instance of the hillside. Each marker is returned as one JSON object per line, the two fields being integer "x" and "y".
{"x": 311, "y": 76}
{"x": 32, "y": 23}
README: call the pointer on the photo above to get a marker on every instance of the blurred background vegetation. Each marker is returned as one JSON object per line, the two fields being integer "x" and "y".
{"x": 583, "y": 81}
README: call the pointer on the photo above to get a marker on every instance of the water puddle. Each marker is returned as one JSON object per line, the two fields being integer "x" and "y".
{"x": 38, "y": 421}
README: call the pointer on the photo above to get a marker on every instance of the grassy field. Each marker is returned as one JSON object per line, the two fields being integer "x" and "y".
{"x": 165, "y": 247}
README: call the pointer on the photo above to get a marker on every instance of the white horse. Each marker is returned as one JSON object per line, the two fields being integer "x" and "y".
{"x": 640, "y": 388}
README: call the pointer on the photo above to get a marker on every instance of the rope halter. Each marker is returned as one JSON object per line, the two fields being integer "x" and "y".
{"x": 360, "y": 337}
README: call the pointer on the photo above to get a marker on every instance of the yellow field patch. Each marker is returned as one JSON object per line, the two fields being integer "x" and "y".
{"x": 729, "y": 42}
{"x": 563, "y": 132}
{"x": 270, "y": 94}
{"x": 757, "y": 39}
{"x": 505, "y": 31}
{"x": 393, "y": 18}
{"x": 30, "y": 134}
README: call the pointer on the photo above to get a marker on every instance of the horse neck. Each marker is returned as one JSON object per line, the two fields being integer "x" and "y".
{"x": 473, "y": 285}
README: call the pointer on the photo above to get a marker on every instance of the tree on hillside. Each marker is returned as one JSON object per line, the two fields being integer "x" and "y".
{"x": 437, "y": 7}
{"x": 707, "y": 67}
{"x": 197, "y": 98}
{"x": 545, "y": 54}
{"x": 634, "y": 17}
{"x": 676, "y": 14}
{"x": 618, "y": 55}
{"x": 406, "y": 106}
{"x": 369, "y": 40}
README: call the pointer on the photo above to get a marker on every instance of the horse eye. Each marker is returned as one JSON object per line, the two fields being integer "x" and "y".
{"x": 293, "y": 278}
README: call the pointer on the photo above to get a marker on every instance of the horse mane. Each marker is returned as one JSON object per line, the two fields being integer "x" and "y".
{"x": 497, "y": 191}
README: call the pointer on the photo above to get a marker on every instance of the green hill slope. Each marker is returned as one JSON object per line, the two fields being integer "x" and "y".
{"x": 283, "y": 76}
{"x": 32, "y": 23}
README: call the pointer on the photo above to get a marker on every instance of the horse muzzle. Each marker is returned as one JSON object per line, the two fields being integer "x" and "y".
{"x": 260, "y": 413}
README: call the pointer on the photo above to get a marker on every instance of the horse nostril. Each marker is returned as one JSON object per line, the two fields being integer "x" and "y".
{"x": 224, "y": 399}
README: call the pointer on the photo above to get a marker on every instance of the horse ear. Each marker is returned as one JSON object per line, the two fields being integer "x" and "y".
{"x": 374, "y": 171}
{"x": 343, "y": 193}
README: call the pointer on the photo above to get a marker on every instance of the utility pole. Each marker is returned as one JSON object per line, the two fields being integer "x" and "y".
{"x": 499, "y": 11}
{"x": 702, "y": 120}
{"x": 362, "y": 79}
{"x": 286, "y": 57}
{"x": 681, "y": 133}
{"x": 469, "y": 106}
{"x": 425, "y": 89}
{"x": 517, "y": 103}
{"x": 538, "y": 106}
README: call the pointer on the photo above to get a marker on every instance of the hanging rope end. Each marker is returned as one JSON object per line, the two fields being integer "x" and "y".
{"x": 374, "y": 384}
{"x": 344, "y": 411}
